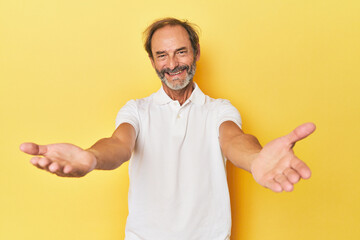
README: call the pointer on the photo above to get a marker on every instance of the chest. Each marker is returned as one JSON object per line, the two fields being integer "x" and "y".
{"x": 172, "y": 120}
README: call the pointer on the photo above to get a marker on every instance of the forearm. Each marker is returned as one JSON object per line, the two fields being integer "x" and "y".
{"x": 111, "y": 152}
{"x": 240, "y": 148}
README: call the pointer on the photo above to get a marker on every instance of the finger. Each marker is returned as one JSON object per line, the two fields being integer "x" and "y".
{"x": 67, "y": 169}
{"x": 71, "y": 171}
{"x": 33, "y": 149}
{"x": 39, "y": 162}
{"x": 301, "y": 132}
{"x": 58, "y": 169}
{"x": 274, "y": 186}
{"x": 44, "y": 163}
{"x": 301, "y": 168}
{"x": 284, "y": 182}
{"x": 34, "y": 161}
{"x": 291, "y": 175}
{"x": 54, "y": 167}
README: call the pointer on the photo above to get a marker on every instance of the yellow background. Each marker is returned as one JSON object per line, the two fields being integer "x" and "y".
{"x": 66, "y": 68}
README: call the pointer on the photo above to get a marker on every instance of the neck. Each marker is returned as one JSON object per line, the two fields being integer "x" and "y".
{"x": 180, "y": 95}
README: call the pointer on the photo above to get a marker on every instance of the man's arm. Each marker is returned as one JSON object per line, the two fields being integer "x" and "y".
{"x": 68, "y": 160}
{"x": 273, "y": 166}
{"x": 114, "y": 151}
{"x": 240, "y": 148}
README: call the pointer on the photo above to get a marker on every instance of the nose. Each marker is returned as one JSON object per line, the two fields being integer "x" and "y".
{"x": 173, "y": 62}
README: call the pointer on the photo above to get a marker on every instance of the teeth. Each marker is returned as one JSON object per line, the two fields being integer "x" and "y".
{"x": 175, "y": 73}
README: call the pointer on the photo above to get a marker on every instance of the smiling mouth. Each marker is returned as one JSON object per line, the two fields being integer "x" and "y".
{"x": 176, "y": 73}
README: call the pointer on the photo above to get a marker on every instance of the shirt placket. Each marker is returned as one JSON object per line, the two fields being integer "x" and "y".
{"x": 180, "y": 120}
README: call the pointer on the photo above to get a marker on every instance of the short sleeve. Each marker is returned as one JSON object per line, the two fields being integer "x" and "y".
{"x": 227, "y": 112}
{"x": 128, "y": 114}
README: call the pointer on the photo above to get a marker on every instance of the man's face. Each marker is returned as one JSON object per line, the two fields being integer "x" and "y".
{"x": 173, "y": 56}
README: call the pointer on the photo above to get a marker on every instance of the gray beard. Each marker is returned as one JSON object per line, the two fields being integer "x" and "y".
{"x": 190, "y": 75}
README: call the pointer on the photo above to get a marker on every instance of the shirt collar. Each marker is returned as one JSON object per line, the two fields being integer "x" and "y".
{"x": 197, "y": 96}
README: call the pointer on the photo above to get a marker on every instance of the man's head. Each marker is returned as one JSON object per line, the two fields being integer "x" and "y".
{"x": 189, "y": 27}
{"x": 173, "y": 48}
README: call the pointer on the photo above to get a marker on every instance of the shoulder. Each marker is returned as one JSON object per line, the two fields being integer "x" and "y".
{"x": 221, "y": 106}
{"x": 216, "y": 103}
{"x": 131, "y": 111}
{"x": 141, "y": 102}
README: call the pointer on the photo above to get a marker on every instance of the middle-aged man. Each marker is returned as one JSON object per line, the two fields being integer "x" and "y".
{"x": 178, "y": 140}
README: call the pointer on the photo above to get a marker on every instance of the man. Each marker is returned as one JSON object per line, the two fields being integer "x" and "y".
{"x": 178, "y": 140}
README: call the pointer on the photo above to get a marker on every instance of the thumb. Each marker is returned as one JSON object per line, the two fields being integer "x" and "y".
{"x": 33, "y": 148}
{"x": 301, "y": 132}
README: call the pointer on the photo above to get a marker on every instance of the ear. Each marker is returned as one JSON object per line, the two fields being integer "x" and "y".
{"x": 152, "y": 61}
{"x": 197, "y": 57}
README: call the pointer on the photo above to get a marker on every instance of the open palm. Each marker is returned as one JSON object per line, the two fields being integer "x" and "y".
{"x": 276, "y": 167}
{"x": 63, "y": 159}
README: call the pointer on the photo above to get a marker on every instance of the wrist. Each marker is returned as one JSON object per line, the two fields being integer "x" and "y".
{"x": 95, "y": 158}
{"x": 252, "y": 159}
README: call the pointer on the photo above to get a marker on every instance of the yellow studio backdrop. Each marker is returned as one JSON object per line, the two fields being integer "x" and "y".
{"x": 67, "y": 67}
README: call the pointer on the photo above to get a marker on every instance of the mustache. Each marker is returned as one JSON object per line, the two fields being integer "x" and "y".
{"x": 175, "y": 70}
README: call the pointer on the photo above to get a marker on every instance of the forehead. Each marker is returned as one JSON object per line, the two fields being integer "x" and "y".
{"x": 170, "y": 38}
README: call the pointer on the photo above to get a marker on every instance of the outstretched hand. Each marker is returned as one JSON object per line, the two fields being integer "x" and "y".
{"x": 276, "y": 166}
{"x": 63, "y": 159}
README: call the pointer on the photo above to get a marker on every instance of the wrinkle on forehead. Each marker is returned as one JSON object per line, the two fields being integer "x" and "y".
{"x": 170, "y": 38}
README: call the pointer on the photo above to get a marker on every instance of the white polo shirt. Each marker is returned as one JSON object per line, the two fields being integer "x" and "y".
{"x": 178, "y": 186}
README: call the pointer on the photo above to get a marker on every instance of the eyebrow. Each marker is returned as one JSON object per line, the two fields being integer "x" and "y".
{"x": 179, "y": 49}
{"x": 160, "y": 52}
{"x": 176, "y": 50}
